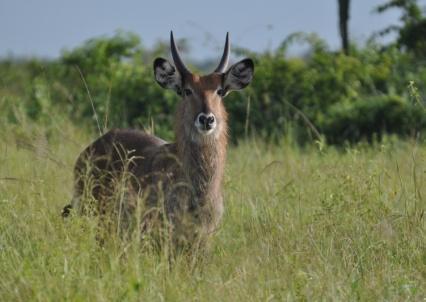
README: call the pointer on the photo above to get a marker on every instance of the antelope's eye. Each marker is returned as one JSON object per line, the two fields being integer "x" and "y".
{"x": 221, "y": 92}
{"x": 187, "y": 91}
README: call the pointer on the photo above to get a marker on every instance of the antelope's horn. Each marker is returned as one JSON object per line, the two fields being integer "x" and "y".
{"x": 176, "y": 57}
{"x": 221, "y": 68}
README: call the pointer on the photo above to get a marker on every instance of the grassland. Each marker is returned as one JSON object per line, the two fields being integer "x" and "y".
{"x": 300, "y": 224}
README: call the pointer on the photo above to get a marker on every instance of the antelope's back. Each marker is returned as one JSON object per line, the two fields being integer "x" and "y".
{"x": 117, "y": 151}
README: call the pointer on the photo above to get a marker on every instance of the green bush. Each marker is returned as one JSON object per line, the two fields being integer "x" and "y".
{"x": 110, "y": 75}
{"x": 370, "y": 118}
{"x": 301, "y": 96}
{"x": 343, "y": 98}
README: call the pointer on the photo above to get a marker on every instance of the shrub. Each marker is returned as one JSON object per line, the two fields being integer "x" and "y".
{"x": 345, "y": 98}
{"x": 371, "y": 118}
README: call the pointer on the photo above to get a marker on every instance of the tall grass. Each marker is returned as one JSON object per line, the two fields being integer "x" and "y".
{"x": 300, "y": 224}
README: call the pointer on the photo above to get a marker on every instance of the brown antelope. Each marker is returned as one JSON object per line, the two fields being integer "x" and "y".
{"x": 186, "y": 175}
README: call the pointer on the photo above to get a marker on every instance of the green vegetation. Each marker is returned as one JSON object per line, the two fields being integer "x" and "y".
{"x": 319, "y": 97}
{"x": 324, "y": 186}
{"x": 311, "y": 224}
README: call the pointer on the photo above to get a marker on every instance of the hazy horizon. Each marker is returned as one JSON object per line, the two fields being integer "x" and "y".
{"x": 46, "y": 27}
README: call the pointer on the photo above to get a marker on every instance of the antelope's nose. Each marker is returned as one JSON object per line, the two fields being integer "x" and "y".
{"x": 206, "y": 121}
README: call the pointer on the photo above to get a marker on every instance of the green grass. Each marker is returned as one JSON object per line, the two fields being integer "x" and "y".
{"x": 299, "y": 225}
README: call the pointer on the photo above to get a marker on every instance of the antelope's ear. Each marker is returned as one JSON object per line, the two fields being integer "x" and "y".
{"x": 239, "y": 75}
{"x": 167, "y": 76}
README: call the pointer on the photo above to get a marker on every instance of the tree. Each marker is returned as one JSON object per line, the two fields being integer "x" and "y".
{"x": 343, "y": 24}
{"x": 410, "y": 8}
{"x": 412, "y": 34}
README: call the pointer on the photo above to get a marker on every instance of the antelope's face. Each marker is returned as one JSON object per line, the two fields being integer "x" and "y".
{"x": 202, "y": 110}
{"x": 202, "y": 103}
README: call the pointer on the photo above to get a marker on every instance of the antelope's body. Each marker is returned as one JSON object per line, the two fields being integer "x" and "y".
{"x": 186, "y": 175}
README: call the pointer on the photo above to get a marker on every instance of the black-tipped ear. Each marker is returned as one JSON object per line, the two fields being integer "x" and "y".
{"x": 166, "y": 75}
{"x": 239, "y": 75}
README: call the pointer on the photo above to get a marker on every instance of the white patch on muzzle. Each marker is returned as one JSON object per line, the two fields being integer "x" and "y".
{"x": 205, "y": 128}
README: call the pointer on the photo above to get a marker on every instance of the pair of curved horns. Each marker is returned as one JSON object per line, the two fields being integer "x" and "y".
{"x": 221, "y": 68}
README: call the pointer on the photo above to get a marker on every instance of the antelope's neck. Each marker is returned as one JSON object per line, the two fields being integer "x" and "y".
{"x": 203, "y": 164}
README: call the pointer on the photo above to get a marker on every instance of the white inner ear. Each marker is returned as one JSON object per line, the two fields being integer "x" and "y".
{"x": 167, "y": 76}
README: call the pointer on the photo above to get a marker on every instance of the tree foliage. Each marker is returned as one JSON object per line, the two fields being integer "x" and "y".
{"x": 324, "y": 95}
{"x": 412, "y": 32}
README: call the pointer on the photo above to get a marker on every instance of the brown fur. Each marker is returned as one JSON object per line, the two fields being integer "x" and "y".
{"x": 179, "y": 183}
{"x": 188, "y": 173}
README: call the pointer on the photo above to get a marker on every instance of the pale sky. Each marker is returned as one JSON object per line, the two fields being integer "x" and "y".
{"x": 45, "y": 27}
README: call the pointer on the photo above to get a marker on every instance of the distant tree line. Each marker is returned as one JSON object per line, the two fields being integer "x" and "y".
{"x": 358, "y": 94}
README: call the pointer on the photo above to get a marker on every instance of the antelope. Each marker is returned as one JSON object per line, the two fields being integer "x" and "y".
{"x": 187, "y": 174}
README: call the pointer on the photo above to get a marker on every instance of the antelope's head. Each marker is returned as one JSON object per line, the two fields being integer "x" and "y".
{"x": 201, "y": 111}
